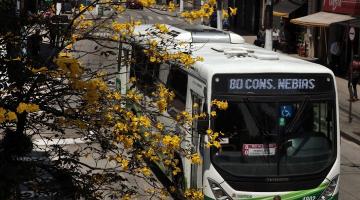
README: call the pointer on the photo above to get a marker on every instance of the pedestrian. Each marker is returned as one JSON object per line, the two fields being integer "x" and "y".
{"x": 213, "y": 19}
{"x": 260, "y": 37}
{"x": 276, "y": 38}
{"x": 354, "y": 74}
{"x": 335, "y": 55}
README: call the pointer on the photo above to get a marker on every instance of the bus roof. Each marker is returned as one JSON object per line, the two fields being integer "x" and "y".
{"x": 221, "y": 56}
{"x": 195, "y": 34}
{"x": 246, "y": 58}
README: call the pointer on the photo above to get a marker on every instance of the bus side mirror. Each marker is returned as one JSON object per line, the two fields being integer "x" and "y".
{"x": 202, "y": 126}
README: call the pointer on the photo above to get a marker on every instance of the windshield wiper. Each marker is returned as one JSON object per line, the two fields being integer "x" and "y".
{"x": 293, "y": 125}
{"x": 258, "y": 125}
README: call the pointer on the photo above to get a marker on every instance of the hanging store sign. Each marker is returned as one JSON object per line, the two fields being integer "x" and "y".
{"x": 352, "y": 33}
{"x": 350, "y": 7}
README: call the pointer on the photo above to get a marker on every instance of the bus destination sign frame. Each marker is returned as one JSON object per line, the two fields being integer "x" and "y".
{"x": 272, "y": 83}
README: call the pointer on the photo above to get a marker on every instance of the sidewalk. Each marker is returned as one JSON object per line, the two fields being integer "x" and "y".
{"x": 348, "y": 130}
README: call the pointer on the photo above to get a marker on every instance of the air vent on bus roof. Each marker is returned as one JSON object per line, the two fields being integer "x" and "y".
{"x": 245, "y": 52}
{"x": 173, "y": 33}
{"x": 213, "y": 36}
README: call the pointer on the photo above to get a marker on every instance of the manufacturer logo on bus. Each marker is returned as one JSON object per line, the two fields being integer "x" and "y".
{"x": 276, "y": 179}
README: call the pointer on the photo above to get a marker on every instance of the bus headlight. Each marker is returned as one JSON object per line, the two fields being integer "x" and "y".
{"x": 217, "y": 190}
{"x": 329, "y": 191}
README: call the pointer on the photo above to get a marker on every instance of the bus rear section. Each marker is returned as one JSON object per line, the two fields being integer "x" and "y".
{"x": 280, "y": 138}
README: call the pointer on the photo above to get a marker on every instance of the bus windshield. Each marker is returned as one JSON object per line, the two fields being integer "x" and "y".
{"x": 275, "y": 138}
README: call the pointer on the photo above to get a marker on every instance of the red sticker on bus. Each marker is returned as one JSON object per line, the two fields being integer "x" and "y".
{"x": 259, "y": 149}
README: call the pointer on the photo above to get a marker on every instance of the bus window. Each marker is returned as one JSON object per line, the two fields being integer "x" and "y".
{"x": 146, "y": 72}
{"x": 177, "y": 82}
{"x": 323, "y": 120}
{"x": 196, "y": 138}
{"x": 164, "y": 72}
{"x": 258, "y": 141}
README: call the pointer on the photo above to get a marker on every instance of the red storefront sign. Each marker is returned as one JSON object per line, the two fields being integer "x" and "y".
{"x": 349, "y": 7}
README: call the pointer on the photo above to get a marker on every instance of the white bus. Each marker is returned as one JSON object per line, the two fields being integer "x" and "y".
{"x": 281, "y": 129}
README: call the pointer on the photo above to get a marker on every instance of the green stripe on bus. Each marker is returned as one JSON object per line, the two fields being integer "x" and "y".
{"x": 207, "y": 198}
{"x": 298, "y": 195}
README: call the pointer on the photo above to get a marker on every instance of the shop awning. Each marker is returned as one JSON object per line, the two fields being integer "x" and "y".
{"x": 285, "y": 7}
{"x": 321, "y": 19}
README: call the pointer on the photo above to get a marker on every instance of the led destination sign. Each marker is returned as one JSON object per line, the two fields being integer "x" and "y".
{"x": 272, "y": 83}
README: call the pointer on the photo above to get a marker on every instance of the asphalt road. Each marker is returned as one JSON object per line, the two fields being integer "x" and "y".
{"x": 350, "y": 171}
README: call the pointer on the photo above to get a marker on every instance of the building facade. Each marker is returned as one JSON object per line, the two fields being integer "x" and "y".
{"x": 328, "y": 26}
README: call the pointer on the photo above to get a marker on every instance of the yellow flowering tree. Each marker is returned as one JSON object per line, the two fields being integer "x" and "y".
{"x": 52, "y": 96}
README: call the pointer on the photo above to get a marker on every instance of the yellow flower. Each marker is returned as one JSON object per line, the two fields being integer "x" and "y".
{"x": 147, "y": 3}
{"x": 2, "y": 115}
{"x": 126, "y": 197}
{"x": 225, "y": 14}
{"x": 82, "y": 7}
{"x": 146, "y": 171}
{"x": 206, "y": 6}
{"x": 118, "y": 8}
{"x": 171, "y": 7}
{"x": 144, "y": 121}
{"x": 146, "y": 134}
{"x": 222, "y": 105}
{"x": 120, "y": 127}
{"x": 152, "y": 59}
{"x": 160, "y": 126}
{"x": 11, "y": 116}
{"x": 109, "y": 116}
{"x": 213, "y": 113}
{"x": 132, "y": 79}
{"x": 171, "y": 141}
{"x": 117, "y": 95}
{"x": 24, "y": 107}
{"x": 193, "y": 194}
{"x": 124, "y": 164}
{"x": 195, "y": 158}
{"x": 176, "y": 171}
{"x": 115, "y": 37}
{"x": 69, "y": 46}
{"x": 212, "y": 2}
{"x": 162, "y": 28}
{"x": 233, "y": 11}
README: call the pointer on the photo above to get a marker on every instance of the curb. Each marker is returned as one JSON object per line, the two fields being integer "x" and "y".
{"x": 349, "y": 137}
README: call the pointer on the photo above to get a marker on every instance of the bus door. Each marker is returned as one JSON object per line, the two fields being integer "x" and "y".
{"x": 197, "y": 140}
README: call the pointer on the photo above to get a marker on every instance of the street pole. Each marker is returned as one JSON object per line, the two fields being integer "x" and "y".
{"x": 350, "y": 83}
{"x": 118, "y": 79}
{"x": 18, "y": 8}
{"x": 219, "y": 14}
{"x": 181, "y": 6}
{"x": 268, "y": 25}
{"x": 351, "y": 37}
